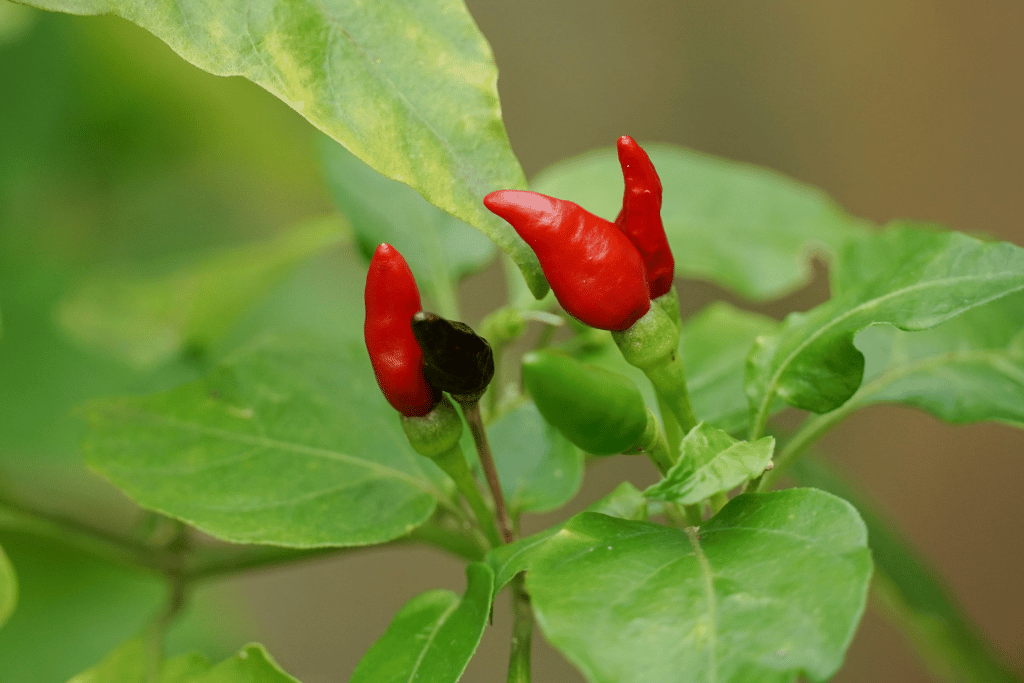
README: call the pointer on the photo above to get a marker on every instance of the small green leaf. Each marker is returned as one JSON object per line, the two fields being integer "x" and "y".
{"x": 439, "y": 248}
{"x": 967, "y": 369}
{"x": 185, "y": 668}
{"x": 907, "y": 276}
{"x": 147, "y": 321}
{"x": 538, "y": 467}
{"x": 131, "y": 662}
{"x": 508, "y": 560}
{"x": 411, "y": 89}
{"x": 8, "y": 588}
{"x": 252, "y": 664}
{"x": 711, "y": 462}
{"x": 770, "y": 589}
{"x": 625, "y": 502}
{"x": 289, "y": 442}
{"x": 914, "y": 596}
{"x": 433, "y": 637}
{"x": 746, "y": 228}
{"x": 126, "y": 664}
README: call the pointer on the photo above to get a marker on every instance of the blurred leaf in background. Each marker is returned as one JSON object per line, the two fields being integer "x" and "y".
{"x": 146, "y": 322}
{"x": 73, "y": 609}
{"x": 116, "y": 152}
{"x": 439, "y": 248}
{"x": 127, "y": 154}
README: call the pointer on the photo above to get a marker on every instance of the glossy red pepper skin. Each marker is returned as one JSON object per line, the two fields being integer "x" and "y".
{"x": 640, "y": 218}
{"x": 594, "y": 270}
{"x": 392, "y": 299}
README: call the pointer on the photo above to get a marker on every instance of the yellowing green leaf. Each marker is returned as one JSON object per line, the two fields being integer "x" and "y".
{"x": 439, "y": 248}
{"x": 408, "y": 87}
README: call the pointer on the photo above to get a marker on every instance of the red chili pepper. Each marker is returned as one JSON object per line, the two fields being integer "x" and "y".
{"x": 392, "y": 299}
{"x": 640, "y": 217}
{"x": 594, "y": 270}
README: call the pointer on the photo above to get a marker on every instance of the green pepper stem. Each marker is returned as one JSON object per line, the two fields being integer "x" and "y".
{"x": 673, "y": 434}
{"x": 669, "y": 380}
{"x": 652, "y": 344}
{"x": 694, "y": 515}
{"x": 654, "y": 445}
{"x": 522, "y": 632}
{"x": 177, "y": 599}
{"x": 471, "y": 411}
{"x": 453, "y": 462}
{"x": 669, "y": 302}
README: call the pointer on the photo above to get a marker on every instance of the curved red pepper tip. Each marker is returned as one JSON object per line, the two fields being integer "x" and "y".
{"x": 594, "y": 270}
{"x": 640, "y": 218}
{"x": 520, "y": 204}
{"x": 637, "y": 169}
{"x": 392, "y": 298}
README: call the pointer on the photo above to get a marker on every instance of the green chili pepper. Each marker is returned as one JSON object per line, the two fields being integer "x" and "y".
{"x": 600, "y": 411}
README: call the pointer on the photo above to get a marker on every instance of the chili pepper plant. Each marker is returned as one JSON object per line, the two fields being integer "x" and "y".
{"x": 364, "y": 411}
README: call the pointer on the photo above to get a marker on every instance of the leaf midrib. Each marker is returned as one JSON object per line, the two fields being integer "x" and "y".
{"x": 709, "y": 594}
{"x": 441, "y": 621}
{"x": 265, "y": 442}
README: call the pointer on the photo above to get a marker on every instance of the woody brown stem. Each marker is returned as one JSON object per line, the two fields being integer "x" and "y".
{"x": 471, "y": 411}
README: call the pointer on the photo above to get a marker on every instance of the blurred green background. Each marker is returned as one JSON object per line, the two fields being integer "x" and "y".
{"x": 117, "y": 155}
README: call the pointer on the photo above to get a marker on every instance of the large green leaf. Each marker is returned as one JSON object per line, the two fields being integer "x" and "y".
{"x": 770, "y": 589}
{"x": 439, "y": 248}
{"x": 8, "y": 588}
{"x": 711, "y": 462}
{"x": 288, "y": 442}
{"x": 967, "y": 369}
{"x": 914, "y": 596}
{"x": 131, "y": 662}
{"x": 746, "y": 228}
{"x": 147, "y": 321}
{"x": 907, "y": 276}
{"x": 540, "y": 470}
{"x": 433, "y": 636}
{"x": 409, "y": 87}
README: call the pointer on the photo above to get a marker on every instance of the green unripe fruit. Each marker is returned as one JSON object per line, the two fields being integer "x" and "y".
{"x": 600, "y": 411}
{"x": 436, "y": 433}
